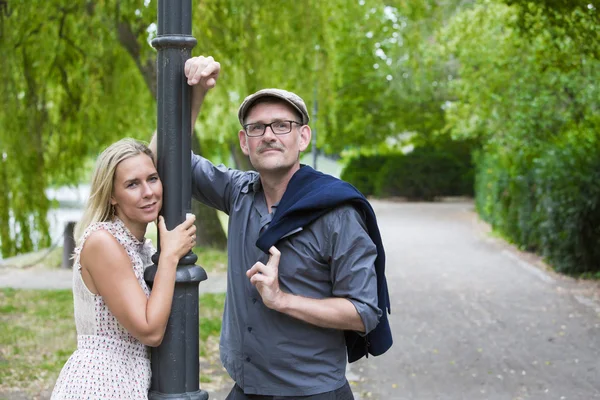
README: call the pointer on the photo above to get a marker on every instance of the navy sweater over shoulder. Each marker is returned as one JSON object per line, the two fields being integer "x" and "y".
{"x": 309, "y": 195}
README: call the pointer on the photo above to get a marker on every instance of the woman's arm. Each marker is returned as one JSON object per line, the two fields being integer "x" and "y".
{"x": 113, "y": 278}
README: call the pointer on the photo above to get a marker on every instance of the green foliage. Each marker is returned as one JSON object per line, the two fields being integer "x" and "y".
{"x": 505, "y": 196}
{"x": 567, "y": 185}
{"x": 212, "y": 260}
{"x": 515, "y": 76}
{"x": 81, "y": 74}
{"x": 421, "y": 76}
{"x": 526, "y": 87}
{"x": 550, "y": 204}
{"x": 577, "y": 20}
{"x": 68, "y": 91}
{"x": 211, "y": 312}
{"x": 361, "y": 172}
{"x": 325, "y": 51}
{"x": 37, "y": 335}
{"x": 427, "y": 172}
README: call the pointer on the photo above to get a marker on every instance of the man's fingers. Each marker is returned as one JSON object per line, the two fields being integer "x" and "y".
{"x": 204, "y": 76}
{"x": 251, "y": 271}
{"x": 202, "y": 69}
{"x": 275, "y": 255}
{"x": 211, "y": 68}
{"x": 195, "y": 77}
{"x": 187, "y": 67}
{"x": 207, "y": 74}
{"x": 258, "y": 278}
{"x": 191, "y": 71}
{"x": 258, "y": 268}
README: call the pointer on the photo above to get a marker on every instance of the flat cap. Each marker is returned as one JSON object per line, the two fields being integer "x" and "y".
{"x": 291, "y": 98}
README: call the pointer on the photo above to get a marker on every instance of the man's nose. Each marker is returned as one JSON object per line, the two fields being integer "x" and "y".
{"x": 269, "y": 134}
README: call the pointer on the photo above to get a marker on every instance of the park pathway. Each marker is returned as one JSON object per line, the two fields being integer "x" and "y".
{"x": 473, "y": 318}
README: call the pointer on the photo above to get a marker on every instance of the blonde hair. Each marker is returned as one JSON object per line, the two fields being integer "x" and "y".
{"x": 98, "y": 207}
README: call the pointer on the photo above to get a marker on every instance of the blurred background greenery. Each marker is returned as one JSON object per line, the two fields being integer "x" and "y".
{"x": 496, "y": 99}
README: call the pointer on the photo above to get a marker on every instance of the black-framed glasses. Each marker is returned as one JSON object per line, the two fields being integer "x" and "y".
{"x": 278, "y": 128}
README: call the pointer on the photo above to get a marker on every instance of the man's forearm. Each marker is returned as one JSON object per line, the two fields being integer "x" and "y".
{"x": 198, "y": 95}
{"x": 153, "y": 146}
{"x": 335, "y": 313}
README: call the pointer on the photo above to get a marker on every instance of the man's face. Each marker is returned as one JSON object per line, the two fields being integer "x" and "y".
{"x": 271, "y": 152}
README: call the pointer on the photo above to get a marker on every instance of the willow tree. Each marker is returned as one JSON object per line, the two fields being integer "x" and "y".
{"x": 578, "y": 21}
{"x": 81, "y": 75}
{"x": 325, "y": 51}
{"x": 67, "y": 91}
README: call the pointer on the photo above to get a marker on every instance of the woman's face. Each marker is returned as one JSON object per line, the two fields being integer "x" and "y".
{"x": 137, "y": 190}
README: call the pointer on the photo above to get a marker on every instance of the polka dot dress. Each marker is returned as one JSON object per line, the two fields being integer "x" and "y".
{"x": 109, "y": 363}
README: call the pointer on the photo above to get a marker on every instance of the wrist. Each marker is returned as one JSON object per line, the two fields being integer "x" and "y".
{"x": 198, "y": 93}
{"x": 168, "y": 259}
{"x": 282, "y": 301}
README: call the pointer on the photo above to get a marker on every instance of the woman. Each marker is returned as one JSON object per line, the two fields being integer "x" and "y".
{"x": 115, "y": 313}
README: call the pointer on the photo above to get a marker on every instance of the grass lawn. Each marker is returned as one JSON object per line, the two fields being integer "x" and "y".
{"x": 37, "y": 336}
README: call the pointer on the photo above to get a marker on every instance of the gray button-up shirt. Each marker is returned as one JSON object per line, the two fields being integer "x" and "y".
{"x": 267, "y": 352}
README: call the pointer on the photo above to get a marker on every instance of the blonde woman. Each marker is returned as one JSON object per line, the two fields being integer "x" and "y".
{"x": 116, "y": 315}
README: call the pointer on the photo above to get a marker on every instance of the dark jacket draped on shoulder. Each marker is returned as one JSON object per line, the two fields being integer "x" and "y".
{"x": 309, "y": 195}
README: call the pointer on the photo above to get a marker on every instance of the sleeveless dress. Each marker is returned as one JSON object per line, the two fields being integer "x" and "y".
{"x": 109, "y": 362}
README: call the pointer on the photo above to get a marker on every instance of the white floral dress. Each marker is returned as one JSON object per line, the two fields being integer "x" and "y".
{"x": 109, "y": 362}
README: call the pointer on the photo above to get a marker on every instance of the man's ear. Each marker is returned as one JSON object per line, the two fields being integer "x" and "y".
{"x": 305, "y": 136}
{"x": 243, "y": 142}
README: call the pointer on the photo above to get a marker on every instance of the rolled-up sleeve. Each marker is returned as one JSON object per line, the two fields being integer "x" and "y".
{"x": 353, "y": 255}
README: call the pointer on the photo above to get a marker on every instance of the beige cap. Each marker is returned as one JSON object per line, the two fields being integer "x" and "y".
{"x": 291, "y": 98}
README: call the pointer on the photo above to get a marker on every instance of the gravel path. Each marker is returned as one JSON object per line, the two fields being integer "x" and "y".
{"x": 472, "y": 317}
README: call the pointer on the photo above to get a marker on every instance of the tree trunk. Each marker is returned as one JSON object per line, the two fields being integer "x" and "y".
{"x": 209, "y": 231}
{"x": 241, "y": 161}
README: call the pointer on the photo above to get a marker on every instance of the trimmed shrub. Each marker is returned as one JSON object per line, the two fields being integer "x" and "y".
{"x": 424, "y": 174}
{"x": 361, "y": 171}
{"x": 568, "y": 189}
{"x": 506, "y": 196}
{"x": 546, "y": 199}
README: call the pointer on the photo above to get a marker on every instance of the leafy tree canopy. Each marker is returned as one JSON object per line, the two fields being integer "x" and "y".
{"x": 78, "y": 75}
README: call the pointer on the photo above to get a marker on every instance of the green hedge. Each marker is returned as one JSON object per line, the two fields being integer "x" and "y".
{"x": 546, "y": 199}
{"x": 360, "y": 172}
{"x": 423, "y": 174}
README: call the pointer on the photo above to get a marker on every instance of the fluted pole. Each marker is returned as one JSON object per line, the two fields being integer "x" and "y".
{"x": 175, "y": 363}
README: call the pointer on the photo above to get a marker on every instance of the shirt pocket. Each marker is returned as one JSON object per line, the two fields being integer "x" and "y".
{"x": 303, "y": 270}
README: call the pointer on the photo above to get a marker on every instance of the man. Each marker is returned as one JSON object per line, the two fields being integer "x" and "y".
{"x": 302, "y": 284}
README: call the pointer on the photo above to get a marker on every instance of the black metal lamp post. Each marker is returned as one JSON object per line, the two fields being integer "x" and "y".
{"x": 175, "y": 363}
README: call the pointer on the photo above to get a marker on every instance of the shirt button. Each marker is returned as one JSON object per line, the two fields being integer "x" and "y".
{"x": 249, "y": 329}
{"x": 253, "y": 300}
{"x": 248, "y": 359}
